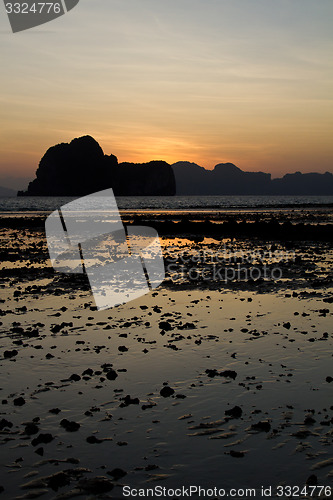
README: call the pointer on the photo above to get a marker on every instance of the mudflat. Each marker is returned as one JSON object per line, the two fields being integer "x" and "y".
{"x": 216, "y": 379}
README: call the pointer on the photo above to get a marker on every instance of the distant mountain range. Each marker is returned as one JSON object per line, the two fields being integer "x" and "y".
{"x": 81, "y": 167}
{"x": 7, "y": 192}
{"x": 227, "y": 179}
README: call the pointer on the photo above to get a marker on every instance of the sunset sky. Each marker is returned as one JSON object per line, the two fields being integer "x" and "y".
{"x": 208, "y": 81}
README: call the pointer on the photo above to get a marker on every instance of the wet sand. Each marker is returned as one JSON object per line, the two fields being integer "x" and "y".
{"x": 224, "y": 383}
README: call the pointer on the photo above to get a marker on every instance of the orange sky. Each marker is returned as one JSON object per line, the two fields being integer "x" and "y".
{"x": 208, "y": 82}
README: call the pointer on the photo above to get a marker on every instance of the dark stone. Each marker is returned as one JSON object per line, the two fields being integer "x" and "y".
{"x": 262, "y": 426}
{"x": 127, "y": 400}
{"x": 302, "y": 434}
{"x": 5, "y": 423}
{"x": 329, "y": 379}
{"x": 10, "y": 354}
{"x": 166, "y": 391}
{"x": 235, "y": 412}
{"x": 150, "y": 467}
{"x": 42, "y": 439}
{"x": 229, "y": 374}
{"x": 165, "y": 325}
{"x": 31, "y": 333}
{"x": 88, "y": 372}
{"x": 96, "y": 486}
{"x": 69, "y": 426}
{"x": 122, "y": 348}
{"x": 312, "y": 480}
{"x": 236, "y": 454}
{"x": 309, "y": 420}
{"x": 187, "y": 326}
{"x": 111, "y": 374}
{"x": 55, "y": 411}
{"x": 19, "y": 401}
{"x": 117, "y": 473}
{"x": 148, "y": 406}
{"x": 75, "y": 377}
{"x": 31, "y": 429}
{"x": 58, "y": 480}
{"x": 93, "y": 440}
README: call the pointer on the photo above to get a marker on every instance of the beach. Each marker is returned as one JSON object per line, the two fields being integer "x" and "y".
{"x": 220, "y": 378}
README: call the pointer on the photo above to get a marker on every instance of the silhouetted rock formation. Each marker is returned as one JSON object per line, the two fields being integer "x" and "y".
{"x": 155, "y": 178}
{"x": 7, "y": 191}
{"x": 227, "y": 179}
{"x": 191, "y": 178}
{"x": 234, "y": 181}
{"x": 80, "y": 168}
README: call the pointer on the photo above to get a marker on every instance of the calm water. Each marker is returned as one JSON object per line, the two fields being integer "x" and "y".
{"x": 160, "y": 203}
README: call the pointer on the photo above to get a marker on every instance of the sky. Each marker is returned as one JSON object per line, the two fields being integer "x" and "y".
{"x": 207, "y": 81}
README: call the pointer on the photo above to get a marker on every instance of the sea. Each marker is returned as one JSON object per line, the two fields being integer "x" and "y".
{"x": 173, "y": 203}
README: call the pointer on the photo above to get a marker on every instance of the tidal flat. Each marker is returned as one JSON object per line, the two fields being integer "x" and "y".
{"x": 215, "y": 383}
